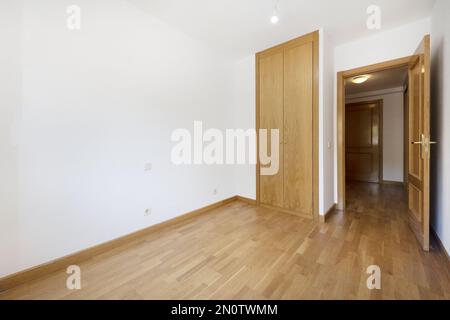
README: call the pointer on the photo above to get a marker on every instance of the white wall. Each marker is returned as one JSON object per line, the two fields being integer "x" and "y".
{"x": 244, "y": 111}
{"x": 440, "y": 114}
{"x": 382, "y": 46}
{"x": 97, "y": 105}
{"x": 10, "y": 105}
{"x": 326, "y": 125}
{"x": 393, "y": 130}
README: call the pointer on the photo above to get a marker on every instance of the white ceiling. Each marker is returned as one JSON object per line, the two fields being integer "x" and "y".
{"x": 242, "y": 27}
{"x": 387, "y": 79}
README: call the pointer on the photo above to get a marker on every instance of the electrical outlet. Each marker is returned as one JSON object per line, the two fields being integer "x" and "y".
{"x": 148, "y": 212}
{"x": 148, "y": 167}
{"x": 215, "y": 192}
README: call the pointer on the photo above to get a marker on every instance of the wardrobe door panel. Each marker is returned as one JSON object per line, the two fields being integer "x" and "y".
{"x": 298, "y": 129}
{"x": 271, "y": 117}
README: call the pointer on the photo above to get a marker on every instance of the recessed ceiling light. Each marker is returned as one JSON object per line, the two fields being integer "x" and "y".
{"x": 360, "y": 79}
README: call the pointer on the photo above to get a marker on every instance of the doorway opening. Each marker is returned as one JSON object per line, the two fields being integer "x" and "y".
{"x": 383, "y": 134}
{"x": 376, "y": 127}
{"x": 361, "y": 111}
{"x": 375, "y": 145}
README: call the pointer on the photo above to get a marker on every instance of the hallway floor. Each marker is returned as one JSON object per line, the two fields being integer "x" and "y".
{"x": 243, "y": 252}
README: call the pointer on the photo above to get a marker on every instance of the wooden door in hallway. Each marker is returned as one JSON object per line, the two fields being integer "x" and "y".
{"x": 419, "y": 146}
{"x": 363, "y": 141}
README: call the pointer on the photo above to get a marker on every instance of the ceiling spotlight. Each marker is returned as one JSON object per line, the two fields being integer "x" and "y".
{"x": 274, "y": 19}
{"x": 360, "y": 79}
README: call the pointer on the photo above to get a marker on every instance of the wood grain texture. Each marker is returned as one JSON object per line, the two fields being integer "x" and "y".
{"x": 397, "y": 183}
{"x": 298, "y": 127}
{"x": 271, "y": 106}
{"x": 247, "y": 200}
{"x": 364, "y": 144}
{"x": 419, "y": 155}
{"x": 299, "y": 187}
{"x": 406, "y": 134}
{"x": 377, "y": 67}
{"x": 243, "y": 252}
{"x": 316, "y": 126}
{"x": 341, "y": 140}
{"x": 324, "y": 218}
{"x": 258, "y": 126}
{"x": 62, "y": 263}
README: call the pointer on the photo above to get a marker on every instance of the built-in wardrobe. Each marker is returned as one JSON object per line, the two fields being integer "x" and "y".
{"x": 287, "y": 100}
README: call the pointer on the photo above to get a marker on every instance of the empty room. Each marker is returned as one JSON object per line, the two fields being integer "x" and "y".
{"x": 224, "y": 150}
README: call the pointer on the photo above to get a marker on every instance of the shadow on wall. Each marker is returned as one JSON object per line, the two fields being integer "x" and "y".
{"x": 437, "y": 81}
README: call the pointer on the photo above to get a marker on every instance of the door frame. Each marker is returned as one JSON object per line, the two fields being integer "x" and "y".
{"x": 341, "y": 77}
{"x": 406, "y": 135}
{"x": 314, "y": 38}
{"x": 379, "y": 102}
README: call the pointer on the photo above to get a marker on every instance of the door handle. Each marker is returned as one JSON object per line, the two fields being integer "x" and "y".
{"x": 421, "y": 143}
{"x": 425, "y": 145}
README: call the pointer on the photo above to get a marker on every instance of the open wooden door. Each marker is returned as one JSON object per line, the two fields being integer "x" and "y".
{"x": 419, "y": 144}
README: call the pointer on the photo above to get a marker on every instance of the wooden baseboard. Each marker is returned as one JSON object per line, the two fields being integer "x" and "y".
{"x": 34, "y": 273}
{"x": 441, "y": 246}
{"x": 293, "y": 213}
{"x": 393, "y": 183}
{"x": 246, "y": 200}
{"x": 324, "y": 218}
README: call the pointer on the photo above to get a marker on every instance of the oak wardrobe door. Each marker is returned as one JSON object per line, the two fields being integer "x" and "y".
{"x": 287, "y": 99}
{"x": 271, "y": 117}
{"x": 298, "y": 128}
